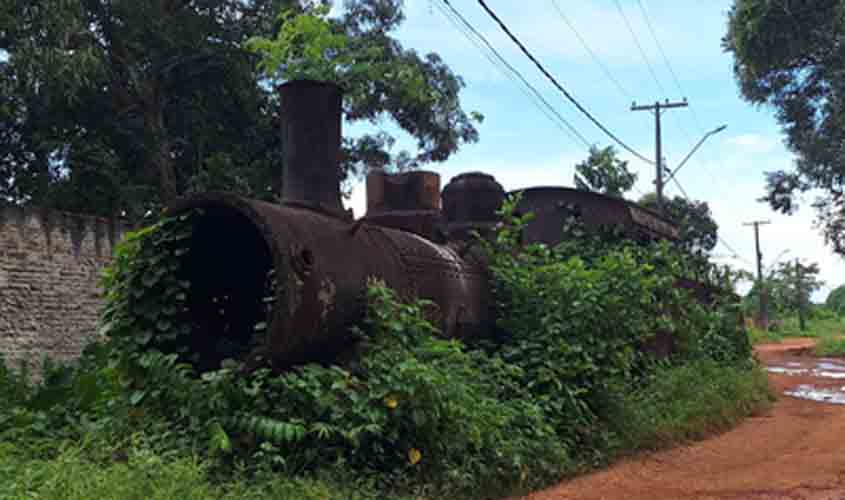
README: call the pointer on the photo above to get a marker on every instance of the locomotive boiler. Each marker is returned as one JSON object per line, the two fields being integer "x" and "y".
{"x": 413, "y": 237}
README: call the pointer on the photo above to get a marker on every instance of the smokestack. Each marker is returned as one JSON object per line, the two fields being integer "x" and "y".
{"x": 311, "y": 118}
{"x": 418, "y": 190}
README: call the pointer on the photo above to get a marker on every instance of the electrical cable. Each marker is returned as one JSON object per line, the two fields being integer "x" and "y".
{"x": 590, "y": 51}
{"x": 537, "y": 96}
{"x": 557, "y": 85}
{"x": 660, "y": 47}
{"x": 677, "y": 81}
{"x": 640, "y": 47}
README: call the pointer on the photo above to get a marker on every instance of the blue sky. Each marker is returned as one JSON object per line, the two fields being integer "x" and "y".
{"x": 522, "y": 147}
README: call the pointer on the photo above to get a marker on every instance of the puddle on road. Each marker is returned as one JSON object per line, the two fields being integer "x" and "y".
{"x": 824, "y": 368}
{"x": 787, "y": 371}
{"x": 805, "y": 391}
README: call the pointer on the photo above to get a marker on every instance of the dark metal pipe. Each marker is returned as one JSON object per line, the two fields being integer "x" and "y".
{"x": 311, "y": 135}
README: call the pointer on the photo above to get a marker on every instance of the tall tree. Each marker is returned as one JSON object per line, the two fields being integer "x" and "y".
{"x": 380, "y": 78}
{"x": 789, "y": 287}
{"x": 120, "y": 105}
{"x": 790, "y": 54}
{"x": 836, "y": 300}
{"x": 604, "y": 173}
{"x": 699, "y": 231}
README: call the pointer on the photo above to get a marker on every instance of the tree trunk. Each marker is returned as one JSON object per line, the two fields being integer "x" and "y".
{"x": 166, "y": 174}
{"x": 160, "y": 161}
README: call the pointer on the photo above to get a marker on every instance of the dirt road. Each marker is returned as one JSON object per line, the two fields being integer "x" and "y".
{"x": 795, "y": 450}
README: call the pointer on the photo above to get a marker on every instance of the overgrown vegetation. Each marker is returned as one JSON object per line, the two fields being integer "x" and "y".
{"x": 824, "y": 324}
{"x": 563, "y": 385}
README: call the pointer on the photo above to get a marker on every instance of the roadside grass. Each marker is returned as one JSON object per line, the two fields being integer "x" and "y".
{"x": 829, "y": 332}
{"x": 690, "y": 402}
{"x": 75, "y": 471}
{"x": 831, "y": 346}
{"x": 819, "y": 328}
{"x": 677, "y": 403}
{"x": 759, "y": 336}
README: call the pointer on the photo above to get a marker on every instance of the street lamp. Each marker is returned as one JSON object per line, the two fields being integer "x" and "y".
{"x": 706, "y": 136}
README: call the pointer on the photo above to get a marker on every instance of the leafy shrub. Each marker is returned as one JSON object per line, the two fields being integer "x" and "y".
{"x": 553, "y": 390}
{"x": 836, "y": 300}
{"x": 573, "y": 318}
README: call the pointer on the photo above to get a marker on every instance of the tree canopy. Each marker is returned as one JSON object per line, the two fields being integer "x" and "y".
{"x": 836, "y": 299}
{"x": 789, "y": 285}
{"x": 379, "y": 78}
{"x": 789, "y": 54}
{"x": 118, "y": 106}
{"x": 602, "y": 172}
{"x": 122, "y": 105}
{"x": 699, "y": 231}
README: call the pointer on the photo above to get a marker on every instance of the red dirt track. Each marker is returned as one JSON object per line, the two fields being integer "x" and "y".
{"x": 795, "y": 450}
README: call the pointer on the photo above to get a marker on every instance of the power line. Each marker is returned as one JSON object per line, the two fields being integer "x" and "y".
{"x": 649, "y": 66}
{"x": 677, "y": 81}
{"x": 549, "y": 110}
{"x": 640, "y": 47}
{"x": 592, "y": 54}
{"x": 659, "y": 46}
{"x": 557, "y": 85}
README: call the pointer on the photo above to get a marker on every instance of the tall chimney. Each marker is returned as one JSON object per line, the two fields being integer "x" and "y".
{"x": 311, "y": 118}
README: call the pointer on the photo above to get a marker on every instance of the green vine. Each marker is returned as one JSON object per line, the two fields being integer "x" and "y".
{"x": 145, "y": 299}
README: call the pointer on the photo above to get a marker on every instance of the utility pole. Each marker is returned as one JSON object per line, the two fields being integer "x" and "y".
{"x": 657, "y": 108}
{"x": 802, "y": 321}
{"x": 763, "y": 320}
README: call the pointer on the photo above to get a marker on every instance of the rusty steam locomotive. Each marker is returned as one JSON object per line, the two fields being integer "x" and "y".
{"x": 322, "y": 258}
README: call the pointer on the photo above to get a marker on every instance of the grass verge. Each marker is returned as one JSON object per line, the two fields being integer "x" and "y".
{"x": 830, "y": 346}
{"x": 677, "y": 404}
{"x": 692, "y": 401}
{"x": 820, "y": 328}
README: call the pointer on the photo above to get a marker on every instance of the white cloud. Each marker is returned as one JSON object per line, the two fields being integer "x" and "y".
{"x": 753, "y": 143}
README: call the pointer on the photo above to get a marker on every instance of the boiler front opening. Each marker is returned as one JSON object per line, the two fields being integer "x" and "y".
{"x": 229, "y": 267}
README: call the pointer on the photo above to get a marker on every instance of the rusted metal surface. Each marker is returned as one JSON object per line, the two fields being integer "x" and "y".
{"x": 553, "y": 205}
{"x": 408, "y": 191}
{"x": 311, "y": 135}
{"x": 409, "y": 201}
{"x": 470, "y": 202}
{"x": 321, "y": 260}
{"x": 322, "y": 265}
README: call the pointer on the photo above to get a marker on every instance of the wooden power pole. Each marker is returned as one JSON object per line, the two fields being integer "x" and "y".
{"x": 763, "y": 319}
{"x": 799, "y": 290}
{"x": 657, "y": 108}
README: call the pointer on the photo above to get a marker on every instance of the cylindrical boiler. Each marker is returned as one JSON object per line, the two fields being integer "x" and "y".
{"x": 322, "y": 265}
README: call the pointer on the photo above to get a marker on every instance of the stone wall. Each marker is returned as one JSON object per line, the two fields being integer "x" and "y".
{"x": 50, "y": 294}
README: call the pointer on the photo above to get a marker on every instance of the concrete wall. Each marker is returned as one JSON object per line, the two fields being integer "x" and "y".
{"x": 50, "y": 295}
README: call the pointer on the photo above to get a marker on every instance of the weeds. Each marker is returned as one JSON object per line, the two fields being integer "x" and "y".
{"x": 828, "y": 330}
{"x": 562, "y": 387}
{"x": 830, "y": 346}
{"x": 682, "y": 403}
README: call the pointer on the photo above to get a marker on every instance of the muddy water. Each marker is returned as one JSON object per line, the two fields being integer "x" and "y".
{"x": 824, "y": 370}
